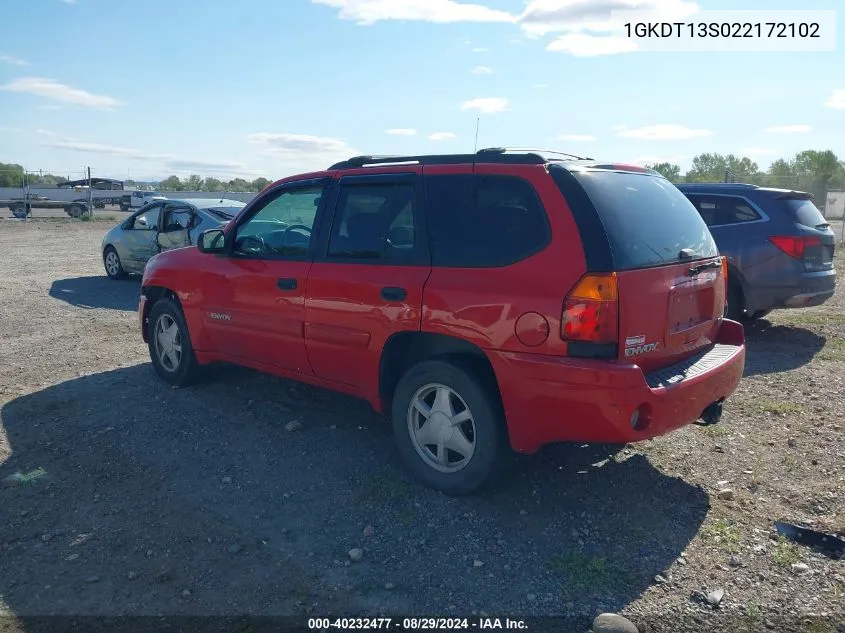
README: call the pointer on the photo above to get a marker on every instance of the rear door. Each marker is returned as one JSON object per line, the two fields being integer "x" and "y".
{"x": 671, "y": 285}
{"x": 368, "y": 281}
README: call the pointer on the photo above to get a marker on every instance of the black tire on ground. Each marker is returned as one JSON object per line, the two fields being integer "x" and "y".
{"x": 736, "y": 303}
{"x": 19, "y": 211}
{"x": 75, "y": 211}
{"x": 756, "y": 316}
{"x": 489, "y": 458}
{"x": 110, "y": 256}
{"x": 165, "y": 314}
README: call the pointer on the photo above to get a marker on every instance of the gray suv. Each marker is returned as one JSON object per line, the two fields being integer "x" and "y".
{"x": 778, "y": 245}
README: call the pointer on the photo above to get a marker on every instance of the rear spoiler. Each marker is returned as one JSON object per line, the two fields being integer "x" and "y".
{"x": 795, "y": 195}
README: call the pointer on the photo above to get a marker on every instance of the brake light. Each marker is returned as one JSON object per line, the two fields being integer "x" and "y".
{"x": 795, "y": 246}
{"x": 591, "y": 311}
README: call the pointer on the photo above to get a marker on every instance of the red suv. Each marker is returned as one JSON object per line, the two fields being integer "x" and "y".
{"x": 483, "y": 302}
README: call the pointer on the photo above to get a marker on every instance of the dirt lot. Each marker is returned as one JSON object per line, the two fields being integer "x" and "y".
{"x": 199, "y": 501}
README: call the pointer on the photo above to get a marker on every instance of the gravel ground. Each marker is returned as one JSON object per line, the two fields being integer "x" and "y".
{"x": 208, "y": 501}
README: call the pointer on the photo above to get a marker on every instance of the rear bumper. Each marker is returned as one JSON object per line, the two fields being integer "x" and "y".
{"x": 550, "y": 399}
{"x": 809, "y": 289}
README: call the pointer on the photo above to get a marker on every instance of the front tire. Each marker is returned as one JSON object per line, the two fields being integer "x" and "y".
{"x": 170, "y": 346}
{"x": 449, "y": 427}
{"x": 111, "y": 262}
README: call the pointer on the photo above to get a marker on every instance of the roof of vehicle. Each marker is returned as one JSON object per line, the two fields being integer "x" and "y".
{"x": 733, "y": 187}
{"x": 491, "y": 155}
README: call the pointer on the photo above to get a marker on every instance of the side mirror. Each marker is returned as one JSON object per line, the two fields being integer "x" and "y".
{"x": 212, "y": 241}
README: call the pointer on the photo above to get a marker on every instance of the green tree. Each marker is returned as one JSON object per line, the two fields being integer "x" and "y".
{"x": 239, "y": 184}
{"x": 822, "y": 169}
{"x": 670, "y": 171}
{"x": 193, "y": 183}
{"x": 212, "y": 184}
{"x": 711, "y": 168}
{"x": 259, "y": 183}
{"x": 171, "y": 183}
{"x": 11, "y": 175}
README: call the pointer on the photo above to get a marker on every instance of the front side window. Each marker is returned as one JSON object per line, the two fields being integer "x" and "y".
{"x": 147, "y": 220}
{"x": 283, "y": 225}
{"x": 375, "y": 222}
{"x": 178, "y": 219}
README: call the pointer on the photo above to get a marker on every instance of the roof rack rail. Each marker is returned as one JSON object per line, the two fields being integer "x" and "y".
{"x": 531, "y": 150}
{"x": 487, "y": 156}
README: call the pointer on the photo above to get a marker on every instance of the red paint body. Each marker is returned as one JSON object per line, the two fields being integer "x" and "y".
{"x": 332, "y": 329}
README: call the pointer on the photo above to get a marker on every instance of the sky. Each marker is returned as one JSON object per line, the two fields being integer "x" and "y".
{"x": 277, "y": 87}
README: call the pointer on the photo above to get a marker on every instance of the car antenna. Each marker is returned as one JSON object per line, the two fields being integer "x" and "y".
{"x": 475, "y": 148}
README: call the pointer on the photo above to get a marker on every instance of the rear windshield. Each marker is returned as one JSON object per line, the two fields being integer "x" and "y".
{"x": 648, "y": 221}
{"x": 806, "y": 212}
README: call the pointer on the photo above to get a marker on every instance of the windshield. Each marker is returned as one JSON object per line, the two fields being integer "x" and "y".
{"x": 648, "y": 221}
{"x": 227, "y": 213}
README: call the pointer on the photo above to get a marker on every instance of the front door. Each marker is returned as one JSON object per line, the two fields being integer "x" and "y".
{"x": 254, "y": 297}
{"x": 174, "y": 228}
{"x": 139, "y": 238}
{"x": 367, "y": 282}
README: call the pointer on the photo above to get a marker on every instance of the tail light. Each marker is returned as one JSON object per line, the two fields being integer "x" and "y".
{"x": 795, "y": 246}
{"x": 591, "y": 314}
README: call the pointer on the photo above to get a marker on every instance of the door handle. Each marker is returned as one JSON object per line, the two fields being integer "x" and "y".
{"x": 391, "y": 293}
{"x": 286, "y": 283}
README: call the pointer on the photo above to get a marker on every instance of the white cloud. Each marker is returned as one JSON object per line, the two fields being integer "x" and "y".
{"x": 757, "y": 151}
{"x": 486, "y": 105}
{"x": 836, "y": 100}
{"x": 68, "y": 1}
{"x": 94, "y": 148}
{"x": 44, "y": 132}
{"x": 540, "y": 86}
{"x": 441, "y": 136}
{"x": 366, "y": 12}
{"x": 578, "y": 138}
{"x": 402, "y": 132}
{"x": 665, "y": 132}
{"x": 14, "y": 61}
{"x": 788, "y": 129}
{"x": 482, "y": 70}
{"x": 286, "y": 143}
{"x": 549, "y": 16}
{"x": 52, "y": 89}
{"x": 205, "y": 166}
{"x": 584, "y": 45}
{"x": 655, "y": 160}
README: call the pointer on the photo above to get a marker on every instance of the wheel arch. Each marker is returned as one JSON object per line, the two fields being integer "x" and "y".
{"x": 403, "y": 350}
{"x": 152, "y": 295}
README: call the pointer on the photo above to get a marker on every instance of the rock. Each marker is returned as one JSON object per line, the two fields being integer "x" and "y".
{"x": 356, "y": 554}
{"x": 791, "y": 442}
{"x": 46, "y": 537}
{"x": 725, "y": 494}
{"x": 131, "y": 575}
{"x": 369, "y": 531}
{"x": 759, "y": 549}
{"x": 389, "y": 585}
{"x": 92, "y": 579}
{"x": 293, "y": 425}
{"x": 735, "y": 562}
{"x": 714, "y": 598}
{"x": 660, "y": 580}
{"x": 523, "y": 513}
{"x": 799, "y": 568}
{"x": 613, "y": 623}
{"x": 226, "y": 480}
{"x": 531, "y": 597}
{"x": 682, "y": 560}
{"x": 163, "y": 577}
{"x": 72, "y": 557}
{"x": 186, "y": 593}
{"x": 478, "y": 563}
{"x": 235, "y": 548}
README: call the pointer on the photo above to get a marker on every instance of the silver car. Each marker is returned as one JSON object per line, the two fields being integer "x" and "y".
{"x": 162, "y": 225}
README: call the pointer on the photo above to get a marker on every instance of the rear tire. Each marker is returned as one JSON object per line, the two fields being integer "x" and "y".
{"x": 170, "y": 346}
{"x": 462, "y": 414}
{"x": 20, "y": 211}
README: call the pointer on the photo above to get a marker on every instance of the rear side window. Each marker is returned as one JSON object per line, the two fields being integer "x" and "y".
{"x": 483, "y": 220}
{"x": 805, "y": 212}
{"x": 648, "y": 221}
{"x": 723, "y": 210}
